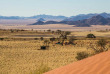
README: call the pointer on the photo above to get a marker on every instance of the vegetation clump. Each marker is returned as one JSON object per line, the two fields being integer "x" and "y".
{"x": 41, "y": 38}
{"x": 100, "y": 46}
{"x": 91, "y": 36}
{"x": 52, "y": 39}
{"x": 82, "y": 55}
{"x": 42, "y": 69}
{"x": 1, "y": 38}
{"x": 71, "y": 40}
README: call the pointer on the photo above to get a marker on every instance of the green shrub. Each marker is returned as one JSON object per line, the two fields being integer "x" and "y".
{"x": 35, "y": 38}
{"x": 91, "y": 36}
{"x": 1, "y": 38}
{"x": 81, "y": 55}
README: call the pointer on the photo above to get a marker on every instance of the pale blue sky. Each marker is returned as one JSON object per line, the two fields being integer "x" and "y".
{"x": 52, "y": 7}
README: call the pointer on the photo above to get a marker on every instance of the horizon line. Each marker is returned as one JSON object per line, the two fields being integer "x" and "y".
{"x": 53, "y": 15}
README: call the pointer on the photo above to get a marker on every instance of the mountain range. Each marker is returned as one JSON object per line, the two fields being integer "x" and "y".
{"x": 45, "y": 17}
{"x": 86, "y": 16}
{"x": 59, "y": 18}
{"x": 95, "y": 20}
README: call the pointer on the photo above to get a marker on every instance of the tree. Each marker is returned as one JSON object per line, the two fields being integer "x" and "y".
{"x": 52, "y": 39}
{"x": 58, "y": 31}
{"x": 41, "y": 38}
{"x": 49, "y": 30}
{"x": 63, "y": 36}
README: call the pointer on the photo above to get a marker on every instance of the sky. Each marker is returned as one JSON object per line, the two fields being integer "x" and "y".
{"x": 52, "y": 7}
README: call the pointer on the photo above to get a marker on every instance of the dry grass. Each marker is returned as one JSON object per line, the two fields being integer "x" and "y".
{"x": 23, "y": 56}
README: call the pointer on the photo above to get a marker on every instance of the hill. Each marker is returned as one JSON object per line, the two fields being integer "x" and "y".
{"x": 95, "y": 20}
{"x": 41, "y": 19}
{"x": 86, "y": 16}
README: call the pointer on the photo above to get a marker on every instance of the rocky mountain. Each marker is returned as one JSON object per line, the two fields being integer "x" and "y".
{"x": 48, "y": 17}
{"x": 95, "y": 20}
{"x": 86, "y": 16}
{"x": 42, "y": 23}
{"x": 58, "y": 18}
{"x": 11, "y": 17}
{"x": 40, "y": 19}
{"x": 38, "y": 23}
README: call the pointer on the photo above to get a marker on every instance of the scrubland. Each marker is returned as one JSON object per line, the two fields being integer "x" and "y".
{"x": 21, "y": 55}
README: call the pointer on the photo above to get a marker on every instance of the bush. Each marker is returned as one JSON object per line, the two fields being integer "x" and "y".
{"x": 91, "y": 36}
{"x": 1, "y": 38}
{"x": 102, "y": 45}
{"x": 41, "y": 38}
{"x": 42, "y": 69}
{"x": 35, "y": 38}
{"x": 81, "y": 55}
{"x": 52, "y": 39}
{"x": 71, "y": 40}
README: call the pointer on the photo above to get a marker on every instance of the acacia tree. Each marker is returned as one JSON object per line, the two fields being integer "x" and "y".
{"x": 52, "y": 39}
{"x": 58, "y": 31}
{"x": 63, "y": 36}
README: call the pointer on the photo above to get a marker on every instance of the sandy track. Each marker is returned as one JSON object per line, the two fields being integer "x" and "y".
{"x": 98, "y": 64}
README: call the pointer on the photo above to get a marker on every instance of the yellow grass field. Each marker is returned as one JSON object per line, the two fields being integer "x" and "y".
{"x": 23, "y": 57}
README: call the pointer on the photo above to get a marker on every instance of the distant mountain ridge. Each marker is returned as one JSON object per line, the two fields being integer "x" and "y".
{"x": 95, "y": 20}
{"x": 46, "y": 17}
{"x": 64, "y": 18}
{"x": 50, "y": 17}
{"x": 86, "y": 16}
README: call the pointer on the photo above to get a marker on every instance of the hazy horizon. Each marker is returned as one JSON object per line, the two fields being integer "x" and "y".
{"x": 49, "y": 7}
{"x": 55, "y": 15}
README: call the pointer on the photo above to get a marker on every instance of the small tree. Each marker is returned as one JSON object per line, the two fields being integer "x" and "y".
{"x": 52, "y": 39}
{"x": 12, "y": 31}
{"x": 63, "y": 36}
{"x": 91, "y": 36}
{"x": 49, "y": 30}
{"x": 41, "y": 38}
{"x": 35, "y": 38}
{"x": 58, "y": 31}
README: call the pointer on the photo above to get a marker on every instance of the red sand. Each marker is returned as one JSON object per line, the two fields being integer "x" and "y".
{"x": 98, "y": 64}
